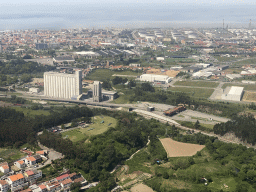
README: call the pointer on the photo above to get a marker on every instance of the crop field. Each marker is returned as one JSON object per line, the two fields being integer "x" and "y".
{"x": 105, "y": 74}
{"x": 249, "y": 96}
{"x": 194, "y": 92}
{"x": 246, "y": 87}
{"x": 30, "y": 112}
{"x": 197, "y": 84}
{"x": 100, "y": 125}
{"x": 178, "y": 149}
{"x": 141, "y": 188}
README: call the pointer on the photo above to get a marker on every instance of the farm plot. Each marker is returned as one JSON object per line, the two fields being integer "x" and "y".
{"x": 141, "y": 188}
{"x": 178, "y": 149}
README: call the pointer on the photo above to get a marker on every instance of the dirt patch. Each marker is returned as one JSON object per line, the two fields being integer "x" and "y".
{"x": 141, "y": 188}
{"x": 249, "y": 96}
{"x": 178, "y": 149}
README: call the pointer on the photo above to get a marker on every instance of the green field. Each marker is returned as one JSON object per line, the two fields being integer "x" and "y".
{"x": 194, "y": 92}
{"x": 105, "y": 74}
{"x": 30, "y": 112}
{"x": 246, "y": 87}
{"x": 97, "y": 127}
{"x": 11, "y": 154}
{"x": 197, "y": 84}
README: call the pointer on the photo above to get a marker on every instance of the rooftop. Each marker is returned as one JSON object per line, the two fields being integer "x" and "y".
{"x": 16, "y": 177}
{"x": 3, "y": 182}
{"x": 62, "y": 177}
{"x": 236, "y": 90}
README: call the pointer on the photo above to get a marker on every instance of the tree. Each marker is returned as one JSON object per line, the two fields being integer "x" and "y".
{"x": 197, "y": 125}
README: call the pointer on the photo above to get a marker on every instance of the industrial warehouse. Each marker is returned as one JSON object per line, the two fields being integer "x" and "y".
{"x": 233, "y": 93}
{"x": 155, "y": 78}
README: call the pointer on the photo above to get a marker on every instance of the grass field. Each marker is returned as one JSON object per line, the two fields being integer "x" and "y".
{"x": 194, "y": 92}
{"x": 178, "y": 149}
{"x": 97, "y": 127}
{"x": 249, "y": 96}
{"x": 30, "y": 112}
{"x": 11, "y": 154}
{"x": 246, "y": 87}
{"x": 105, "y": 74}
{"x": 197, "y": 84}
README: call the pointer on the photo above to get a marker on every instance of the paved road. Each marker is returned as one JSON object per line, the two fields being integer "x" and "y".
{"x": 52, "y": 155}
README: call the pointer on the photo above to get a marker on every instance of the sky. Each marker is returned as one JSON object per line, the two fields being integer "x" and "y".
{"x": 234, "y": 2}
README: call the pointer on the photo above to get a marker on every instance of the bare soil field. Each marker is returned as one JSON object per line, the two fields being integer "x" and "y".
{"x": 141, "y": 188}
{"x": 178, "y": 149}
{"x": 249, "y": 96}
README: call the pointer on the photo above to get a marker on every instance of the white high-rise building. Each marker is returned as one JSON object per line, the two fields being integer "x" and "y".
{"x": 96, "y": 93}
{"x": 62, "y": 85}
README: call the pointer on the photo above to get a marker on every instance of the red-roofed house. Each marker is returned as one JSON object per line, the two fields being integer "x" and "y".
{"x": 65, "y": 184}
{"x": 63, "y": 177}
{"x": 16, "y": 180}
{"x": 4, "y": 167}
{"x": 30, "y": 161}
{"x": 43, "y": 188}
{"x": 53, "y": 186}
{"x": 32, "y": 175}
{"x": 4, "y": 186}
{"x": 20, "y": 164}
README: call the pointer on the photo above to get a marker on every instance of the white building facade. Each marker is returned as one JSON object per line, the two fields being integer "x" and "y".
{"x": 155, "y": 78}
{"x": 61, "y": 85}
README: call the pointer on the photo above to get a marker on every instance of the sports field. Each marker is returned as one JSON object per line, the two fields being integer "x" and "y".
{"x": 178, "y": 149}
{"x": 99, "y": 125}
{"x": 197, "y": 84}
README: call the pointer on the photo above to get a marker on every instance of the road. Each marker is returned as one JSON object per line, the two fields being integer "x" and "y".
{"x": 165, "y": 119}
{"x": 52, "y": 155}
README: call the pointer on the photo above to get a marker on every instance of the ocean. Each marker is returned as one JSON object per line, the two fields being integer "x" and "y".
{"x": 60, "y": 16}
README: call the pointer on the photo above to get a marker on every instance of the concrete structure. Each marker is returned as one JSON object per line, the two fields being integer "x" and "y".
{"x": 96, "y": 93}
{"x": 61, "y": 85}
{"x": 63, "y": 60}
{"x": 32, "y": 175}
{"x": 233, "y": 93}
{"x": 34, "y": 90}
{"x": 16, "y": 180}
{"x": 41, "y": 46}
{"x": 108, "y": 95}
{"x": 155, "y": 78}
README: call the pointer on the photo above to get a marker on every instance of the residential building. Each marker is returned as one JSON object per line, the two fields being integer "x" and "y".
{"x": 43, "y": 188}
{"x": 65, "y": 184}
{"x": 4, "y": 186}
{"x": 4, "y": 167}
{"x": 15, "y": 180}
{"x": 32, "y": 175}
{"x": 53, "y": 186}
{"x": 61, "y": 85}
{"x": 30, "y": 161}
{"x": 62, "y": 177}
{"x": 20, "y": 164}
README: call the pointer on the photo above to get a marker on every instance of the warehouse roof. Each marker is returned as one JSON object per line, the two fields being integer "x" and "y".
{"x": 236, "y": 90}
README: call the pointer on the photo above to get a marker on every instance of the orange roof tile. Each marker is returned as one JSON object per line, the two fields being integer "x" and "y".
{"x": 16, "y": 177}
{"x": 3, "y": 182}
{"x": 31, "y": 159}
{"x": 66, "y": 181}
{"x": 5, "y": 167}
{"x": 42, "y": 186}
{"x": 20, "y": 162}
{"x": 40, "y": 152}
